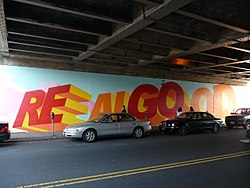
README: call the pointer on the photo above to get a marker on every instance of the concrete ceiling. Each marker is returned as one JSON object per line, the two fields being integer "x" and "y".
{"x": 193, "y": 40}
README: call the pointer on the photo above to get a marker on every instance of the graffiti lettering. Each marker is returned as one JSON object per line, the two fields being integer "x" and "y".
{"x": 144, "y": 99}
{"x": 68, "y": 102}
{"x": 63, "y": 100}
{"x": 32, "y": 101}
{"x": 171, "y": 97}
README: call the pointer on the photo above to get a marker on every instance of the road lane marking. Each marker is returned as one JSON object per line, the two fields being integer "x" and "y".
{"x": 111, "y": 175}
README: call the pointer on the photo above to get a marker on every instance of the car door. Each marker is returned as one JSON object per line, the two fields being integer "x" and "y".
{"x": 109, "y": 126}
{"x": 127, "y": 124}
{"x": 208, "y": 121}
{"x": 196, "y": 122}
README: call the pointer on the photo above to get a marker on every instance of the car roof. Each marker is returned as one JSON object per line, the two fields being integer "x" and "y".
{"x": 115, "y": 113}
{"x": 194, "y": 112}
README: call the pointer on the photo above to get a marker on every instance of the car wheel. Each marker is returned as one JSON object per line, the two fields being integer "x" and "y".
{"x": 183, "y": 130}
{"x": 215, "y": 128}
{"x": 138, "y": 132}
{"x": 247, "y": 124}
{"x": 89, "y": 135}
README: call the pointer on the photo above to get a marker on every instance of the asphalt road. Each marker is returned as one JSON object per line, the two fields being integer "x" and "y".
{"x": 196, "y": 160}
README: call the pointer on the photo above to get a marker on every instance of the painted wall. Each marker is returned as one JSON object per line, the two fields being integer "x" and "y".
{"x": 29, "y": 95}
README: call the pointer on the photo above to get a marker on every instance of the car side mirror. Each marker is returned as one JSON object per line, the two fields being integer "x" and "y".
{"x": 105, "y": 121}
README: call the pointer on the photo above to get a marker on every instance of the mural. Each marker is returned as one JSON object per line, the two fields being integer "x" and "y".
{"x": 30, "y": 95}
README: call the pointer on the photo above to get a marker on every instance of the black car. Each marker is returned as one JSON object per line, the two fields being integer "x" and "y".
{"x": 192, "y": 122}
{"x": 4, "y": 131}
{"x": 239, "y": 118}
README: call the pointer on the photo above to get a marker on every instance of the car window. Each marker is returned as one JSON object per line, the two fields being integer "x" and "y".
{"x": 98, "y": 118}
{"x": 197, "y": 116}
{"x": 182, "y": 116}
{"x": 243, "y": 111}
{"x": 126, "y": 117}
{"x": 187, "y": 115}
{"x": 110, "y": 119}
{"x": 207, "y": 116}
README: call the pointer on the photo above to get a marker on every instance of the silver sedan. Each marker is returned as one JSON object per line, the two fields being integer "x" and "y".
{"x": 108, "y": 125}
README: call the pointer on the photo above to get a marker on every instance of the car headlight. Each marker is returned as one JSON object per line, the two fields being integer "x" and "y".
{"x": 72, "y": 130}
{"x": 172, "y": 125}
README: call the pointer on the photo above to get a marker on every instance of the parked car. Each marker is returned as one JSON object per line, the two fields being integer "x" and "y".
{"x": 191, "y": 122}
{"x": 239, "y": 118}
{"x": 4, "y": 131}
{"x": 112, "y": 124}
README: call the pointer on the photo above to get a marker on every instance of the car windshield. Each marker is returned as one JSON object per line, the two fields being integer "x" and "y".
{"x": 243, "y": 111}
{"x": 98, "y": 118}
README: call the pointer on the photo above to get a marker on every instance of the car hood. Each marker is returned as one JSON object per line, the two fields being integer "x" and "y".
{"x": 236, "y": 115}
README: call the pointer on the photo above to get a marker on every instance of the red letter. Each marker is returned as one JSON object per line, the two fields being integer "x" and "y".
{"x": 51, "y": 102}
{"x": 143, "y": 99}
{"x": 32, "y": 101}
{"x": 175, "y": 94}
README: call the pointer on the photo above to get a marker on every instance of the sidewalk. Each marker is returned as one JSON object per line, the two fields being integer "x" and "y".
{"x": 34, "y": 136}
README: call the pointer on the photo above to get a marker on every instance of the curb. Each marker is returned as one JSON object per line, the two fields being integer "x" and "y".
{"x": 32, "y": 139}
{"x": 25, "y": 137}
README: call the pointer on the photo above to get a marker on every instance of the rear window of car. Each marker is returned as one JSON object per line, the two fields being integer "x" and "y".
{"x": 126, "y": 117}
{"x": 207, "y": 116}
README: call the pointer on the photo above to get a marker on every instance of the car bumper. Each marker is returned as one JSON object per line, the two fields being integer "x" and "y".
{"x": 147, "y": 129}
{"x": 168, "y": 129}
{"x": 4, "y": 136}
{"x": 74, "y": 134}
{"x": 235, "y": 123}
{"x": 222, "y": 125}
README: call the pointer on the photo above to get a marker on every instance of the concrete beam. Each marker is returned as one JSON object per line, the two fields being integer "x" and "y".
{"x": 53, "y": 26}
{"x": 44, "y": 46}
{"x": 3, "y": 36}
{"x": 40, "y": 53}
{"x": 214, "y": 22}
{"x": 148, "y": 2}
{"x": 89, "y": 66}
{"x": 222, "y": 43}
{"x": 47, "y": 6}
{"x": 47, "y": 38}
{"x": 141, "y": 22}
{"x": 176, "y": 35}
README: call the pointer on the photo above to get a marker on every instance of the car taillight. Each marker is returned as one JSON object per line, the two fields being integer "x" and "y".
{"x": 4, "y": 129}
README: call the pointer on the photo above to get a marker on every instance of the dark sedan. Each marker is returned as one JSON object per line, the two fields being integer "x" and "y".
{"x": 4, "y": 131}
{"x": 192, "y": 122}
